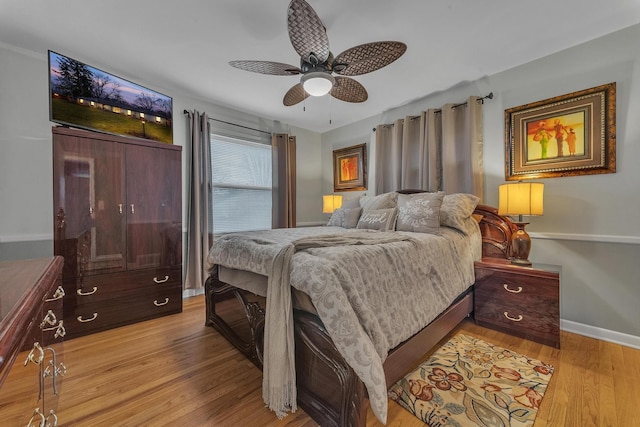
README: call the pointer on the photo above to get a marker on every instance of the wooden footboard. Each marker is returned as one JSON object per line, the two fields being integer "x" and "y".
{"x": 328, "y": 388}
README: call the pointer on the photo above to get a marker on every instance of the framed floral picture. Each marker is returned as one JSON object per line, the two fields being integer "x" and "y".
{"x": 350, "y": 168}
{"x": 572, "y": 134}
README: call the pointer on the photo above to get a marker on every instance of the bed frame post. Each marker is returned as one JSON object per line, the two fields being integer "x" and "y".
{"x": 328, "y": 388}
{"x": 216, "y": 292}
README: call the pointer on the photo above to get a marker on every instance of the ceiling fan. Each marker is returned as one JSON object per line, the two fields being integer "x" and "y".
{"x": 317, "y": 64}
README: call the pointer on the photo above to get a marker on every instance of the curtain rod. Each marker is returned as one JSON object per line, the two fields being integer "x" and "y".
{"x": 490, "y": 96}
{"x": 232, "y": 124}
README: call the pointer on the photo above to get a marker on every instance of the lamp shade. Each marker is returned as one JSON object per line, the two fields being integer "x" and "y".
{"x": 521, "y": 198}
{"x": 330, "y": 203}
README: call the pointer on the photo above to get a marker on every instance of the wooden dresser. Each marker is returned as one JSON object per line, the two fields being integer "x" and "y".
{"x": 118, "y": 225}
{"x": 522, "y": 301}
{"x": 31, "y": 335}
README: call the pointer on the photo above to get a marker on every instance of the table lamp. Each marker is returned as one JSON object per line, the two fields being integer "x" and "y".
{"x": 330, "y": 203}
{"x": 521, "y": 198}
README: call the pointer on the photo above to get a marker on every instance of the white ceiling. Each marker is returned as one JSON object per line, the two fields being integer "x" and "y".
{"x": 185, "y": 46}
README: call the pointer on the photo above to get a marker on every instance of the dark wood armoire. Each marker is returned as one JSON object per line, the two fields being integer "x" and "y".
{"x": 118, "y": 224}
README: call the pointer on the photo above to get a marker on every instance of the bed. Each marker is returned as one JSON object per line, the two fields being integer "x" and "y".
{"x": 330, "y": 384}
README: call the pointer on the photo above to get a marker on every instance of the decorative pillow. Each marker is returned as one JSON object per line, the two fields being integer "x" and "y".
{"x": 456, "y": 208}
{"x": 346, "y": 218}
{"x": 378, "y": 219}
{"x": 381, "y": 201}
{"x": 419, "y": 212}
{"x": 350, "y": 203}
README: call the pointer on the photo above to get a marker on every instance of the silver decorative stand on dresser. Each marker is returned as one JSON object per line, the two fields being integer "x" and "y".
{"x": 31, "y": 337}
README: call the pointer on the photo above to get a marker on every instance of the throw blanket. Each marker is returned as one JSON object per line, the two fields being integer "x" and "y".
{"x": 279, "y": 372}
{"x": 370, "y": 298}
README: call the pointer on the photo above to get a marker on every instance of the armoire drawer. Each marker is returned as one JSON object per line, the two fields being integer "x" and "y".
{"x": 148, "y": 303}
{"x": 105, "y": 287}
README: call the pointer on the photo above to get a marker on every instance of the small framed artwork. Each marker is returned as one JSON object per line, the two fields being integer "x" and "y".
{"x": 350, "y": 168}
{"x": 572, "y": 134}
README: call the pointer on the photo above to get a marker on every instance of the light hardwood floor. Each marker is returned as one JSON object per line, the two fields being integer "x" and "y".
{"x": 174, "y": 371}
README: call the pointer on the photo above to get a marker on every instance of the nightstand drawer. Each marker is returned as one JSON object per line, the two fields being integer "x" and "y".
{"x": 516, "y": 288}
{"x": 538, "y": 317}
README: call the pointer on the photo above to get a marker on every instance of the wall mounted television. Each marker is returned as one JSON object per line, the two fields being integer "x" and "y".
{"x": 85, "y": 97}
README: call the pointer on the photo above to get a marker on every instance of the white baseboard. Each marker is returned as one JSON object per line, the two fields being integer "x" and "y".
{"x": 600, "y": 334}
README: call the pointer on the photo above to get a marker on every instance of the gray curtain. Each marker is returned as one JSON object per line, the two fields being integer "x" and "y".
{"x": 198, "y": 212}
{"x": 284, "y": 180}
{"x": 437, "y": 150}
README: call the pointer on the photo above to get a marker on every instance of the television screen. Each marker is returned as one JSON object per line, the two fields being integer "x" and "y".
{"x": 86, "y": 97}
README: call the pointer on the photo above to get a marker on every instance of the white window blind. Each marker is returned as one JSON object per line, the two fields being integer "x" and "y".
{"x": 241, "y": 185}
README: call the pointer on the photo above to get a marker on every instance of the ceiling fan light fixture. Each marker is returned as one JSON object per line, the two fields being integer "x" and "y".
{"x": 317, "y": 83}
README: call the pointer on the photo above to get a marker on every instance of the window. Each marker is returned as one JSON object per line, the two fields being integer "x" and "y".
{"x": 241, "y": 184}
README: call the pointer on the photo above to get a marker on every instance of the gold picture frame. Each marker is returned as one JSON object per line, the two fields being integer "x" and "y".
{"x": 568, "y": 135}
{"x": 350, "y": 168}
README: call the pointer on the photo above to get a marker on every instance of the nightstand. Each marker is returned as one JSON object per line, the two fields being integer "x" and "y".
{"x": 521, "y": 301}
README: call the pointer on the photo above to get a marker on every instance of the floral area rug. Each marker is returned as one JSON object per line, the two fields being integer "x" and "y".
{"x": 469, "y": 382}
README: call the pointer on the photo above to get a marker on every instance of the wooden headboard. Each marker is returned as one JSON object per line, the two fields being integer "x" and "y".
{"x": 496, "y": 232}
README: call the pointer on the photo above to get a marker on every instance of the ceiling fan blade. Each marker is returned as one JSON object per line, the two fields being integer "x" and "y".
{"x": 349, "y": 90}
{"x": 294, "y": 95}
{"x": 307, "y": 32}
{"x": 267, "y": 67}
{"x": 368, "y": 57}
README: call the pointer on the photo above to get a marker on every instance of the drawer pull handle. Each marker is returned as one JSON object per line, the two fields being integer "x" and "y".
{"x": 49, "y": 319}
{"x": 32, "y": 357}
{"x": 155, "y": 279}
{"x": 513, "y": 291}
{"x": 53, "y": 423}
{"x": 60, "y": 331}
{"x": 84, "y": 294}
{"x": 514, "y": 319}
{"x": 58, "y": 294}
{"x": 52, "y": 371}
{"x": 80, "y": 319}
{"x": 160, "y": 304}
{"x": 34, "y": 422}
{"x": 59, "y": 328}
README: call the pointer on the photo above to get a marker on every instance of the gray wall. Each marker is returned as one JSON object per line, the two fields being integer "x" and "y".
{"x": 589, "y": 225}
{"x": 26, "y": 186}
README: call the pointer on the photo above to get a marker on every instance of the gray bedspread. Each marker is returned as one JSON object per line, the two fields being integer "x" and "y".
{"x": 369, "y": 297}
